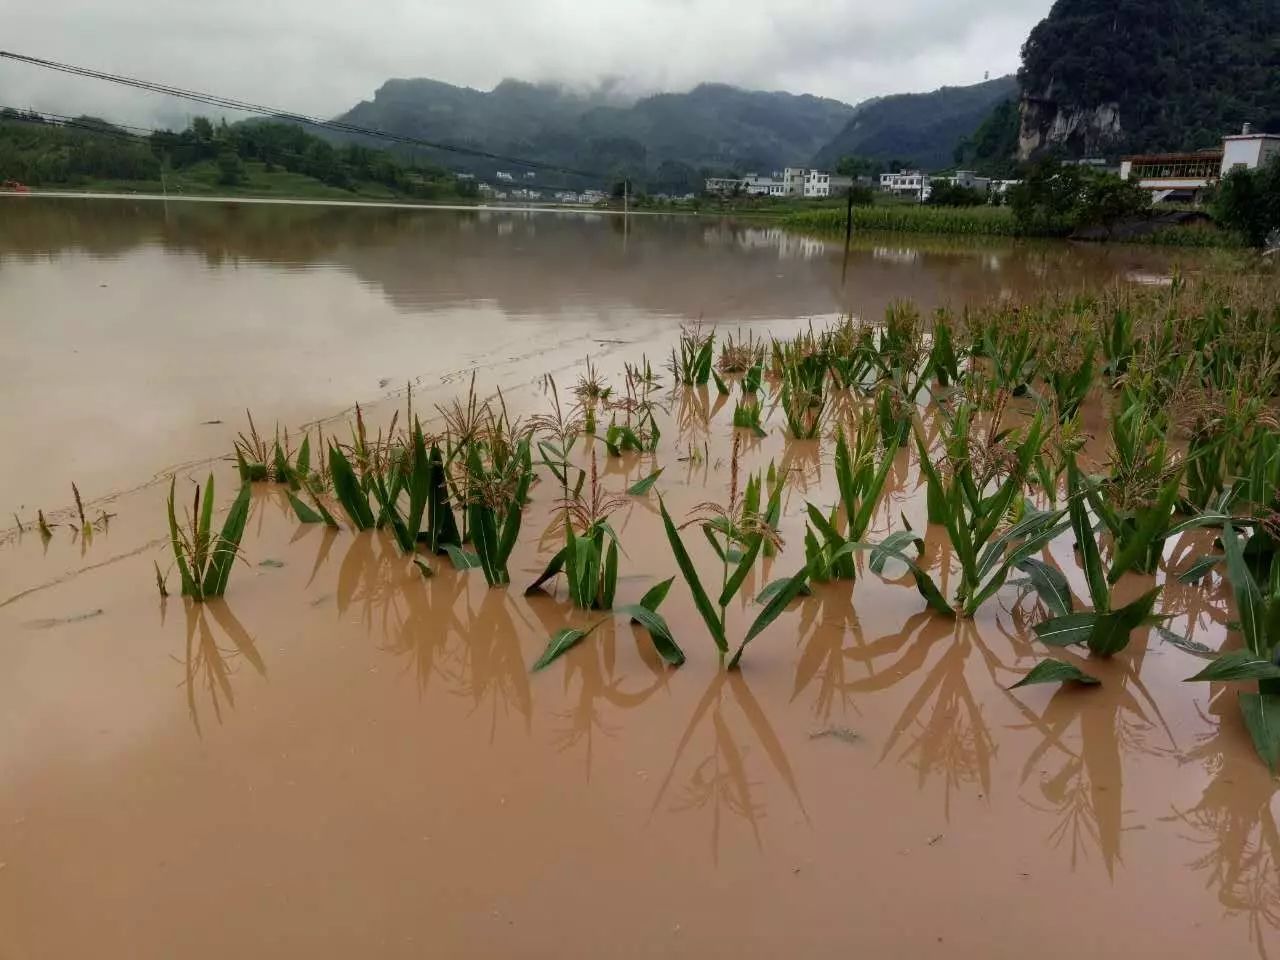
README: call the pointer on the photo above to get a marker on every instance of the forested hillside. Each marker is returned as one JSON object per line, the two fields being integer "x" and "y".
{"x": 1107, "y": 76}
{"x": 922, "y": 129}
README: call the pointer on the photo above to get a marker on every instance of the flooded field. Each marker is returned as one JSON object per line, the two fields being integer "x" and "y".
{"x": 345, "y": 758}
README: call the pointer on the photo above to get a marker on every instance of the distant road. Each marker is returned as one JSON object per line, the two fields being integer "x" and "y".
{"x": 183, "y": 198}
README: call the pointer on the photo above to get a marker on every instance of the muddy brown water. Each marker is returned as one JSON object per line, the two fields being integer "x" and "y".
{"x": 344, "y": 759}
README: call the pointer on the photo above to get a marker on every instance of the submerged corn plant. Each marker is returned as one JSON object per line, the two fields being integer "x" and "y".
{"x": 1106, "y": 629}
{"x": 589, "y": 557}
{"x": 737, "y": 533}
{"x": 589, "y": 561}
{"x": 972, "y": 494}
{"x": 204, "y": 558}
{"x": 692, "y": 365}
{"x": 1258, "y": 617}
{"x": 804, "y": 396}
{"x": 861, "y": 481}
{"x": 1138, "y": 501}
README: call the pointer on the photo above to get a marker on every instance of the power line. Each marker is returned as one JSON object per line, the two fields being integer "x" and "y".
{"x": 243, "y": 106}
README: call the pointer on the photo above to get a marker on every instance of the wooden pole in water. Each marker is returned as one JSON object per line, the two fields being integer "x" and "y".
{"x": 848, "y": 221}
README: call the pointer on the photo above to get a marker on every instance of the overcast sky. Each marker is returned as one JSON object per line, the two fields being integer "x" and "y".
{"x": 321, "y": 58}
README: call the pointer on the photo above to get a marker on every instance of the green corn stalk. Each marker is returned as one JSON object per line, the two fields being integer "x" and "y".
{"x": 204, "y": 559}
{"x": 724, "y": 539}
{"x": 1258, "y": 615}
{"x": 973, "y": 520}
{"x": 590, "y": 564}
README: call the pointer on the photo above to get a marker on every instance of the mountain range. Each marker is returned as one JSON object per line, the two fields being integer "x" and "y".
{"x": 672, "y": 140}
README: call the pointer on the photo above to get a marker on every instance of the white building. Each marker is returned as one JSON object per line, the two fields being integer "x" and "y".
{"x": 1248, "y": 150}
{"x": 1187, "y": 175}
{"x": 912, "y": 183}
{"x": 970, "y": 181}
{"x": 505, "y": 177}
{"x": 817, "y": 184}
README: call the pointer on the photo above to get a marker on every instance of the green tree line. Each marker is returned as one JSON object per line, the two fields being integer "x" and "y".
{"x": 38, "y": 152}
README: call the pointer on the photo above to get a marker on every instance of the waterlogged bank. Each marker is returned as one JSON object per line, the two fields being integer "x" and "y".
{"x": 343, "y": 756}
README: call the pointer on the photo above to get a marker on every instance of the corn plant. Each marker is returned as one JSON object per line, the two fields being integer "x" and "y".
{"x": 1258, "y": 614}
{"x": 861, "y": 481}
{"x": 203, "y": 558}
{"x": 1137, "y": 503}
{"x": 645, "y": 613}
{"x": 944, "y": 359}
{"x": 746, "y": 416}
{"x": 803, "y": 396}
{"x": 1116, "y": 334}
{"x": 1105, "y": 630}
{"x": 958, "y": 499}
{"x": 737, "y": 534}
{"x": 589, "y": 557}
{"x": 693, "y": 364}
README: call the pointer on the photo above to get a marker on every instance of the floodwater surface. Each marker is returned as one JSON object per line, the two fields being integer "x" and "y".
{"x": 346, "y": 759}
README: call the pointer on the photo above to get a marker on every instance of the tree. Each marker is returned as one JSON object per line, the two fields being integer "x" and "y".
{"x": 1106, "y": 200}
{"x": 945, "y": 194}
{"x": 1045, "y": 202}
{"x": 1248, "y": 202}
{"x": 230, "y": 168}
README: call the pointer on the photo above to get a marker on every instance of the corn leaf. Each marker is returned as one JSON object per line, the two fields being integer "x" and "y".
{"x": 224, "y": 554}
{"x": 654, "y": 596}
{"x": 772, "y": 610}
{"x": 1112, "y": 633}
{"x": 1199, "y": 570}
{"x": 1238, "y": 665}
{"x": 561, "y": 642}
{"x": 1055, "y": 671}
{"x": 775, "y": 587}
{"x": 348, "y": 490}
{"x": 610, "y": 586}
{"x": 1249, "y": 607}
{"x": 659, "y": 632}
{"x": 1099, "y": 592}
{"x": 553, "y": 568}
{"x": 304, "y": 513}
{"x": 189, "y": 587}
{"x": 1262, "y": 717}
{"x": 641, "y": 487}
{"x": 700, "y": 598}
{"x": 1066, "y": 631}
{"x": 1186, "y": 644}
{"x": 1050, "y": 584}
{"x": 462, "y": 559}
{"x": 484, "y": 537}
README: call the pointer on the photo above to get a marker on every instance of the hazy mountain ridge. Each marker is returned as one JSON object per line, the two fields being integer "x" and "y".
{"x": 919, "y": 129}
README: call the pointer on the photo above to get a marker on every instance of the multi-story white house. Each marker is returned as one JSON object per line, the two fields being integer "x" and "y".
{"x": 906, "y": 183}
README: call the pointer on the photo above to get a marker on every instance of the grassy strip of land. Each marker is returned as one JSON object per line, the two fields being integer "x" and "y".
{"x": 202, "y": 180}
{"x": 977, "y": 222}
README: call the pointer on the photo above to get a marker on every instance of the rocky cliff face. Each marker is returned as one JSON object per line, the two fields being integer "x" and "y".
{"x": 1079, "y": 131}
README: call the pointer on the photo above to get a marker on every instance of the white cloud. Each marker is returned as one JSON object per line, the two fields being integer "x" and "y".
{"x": 322, "y": 58}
